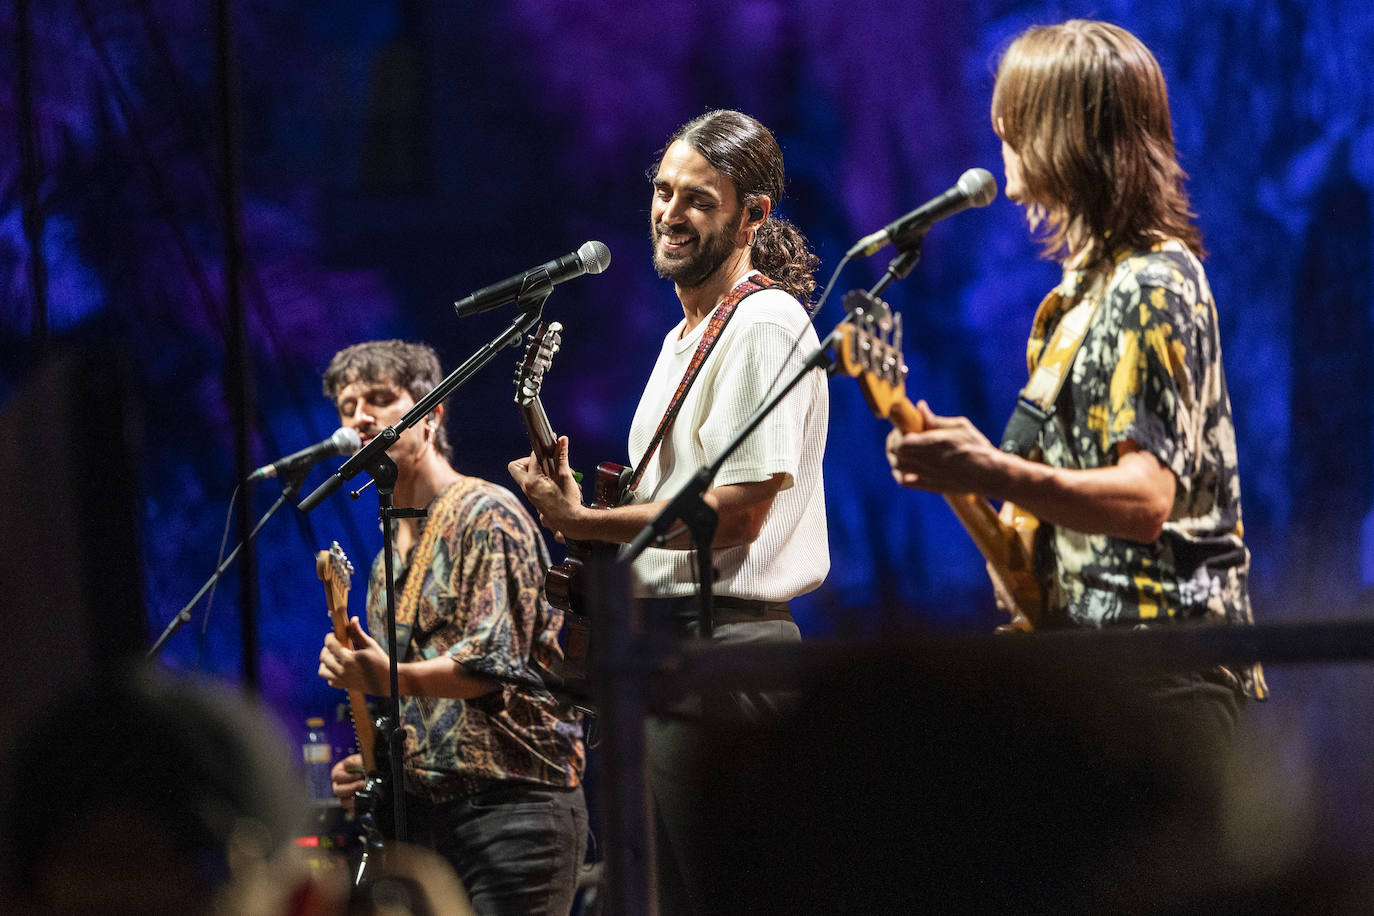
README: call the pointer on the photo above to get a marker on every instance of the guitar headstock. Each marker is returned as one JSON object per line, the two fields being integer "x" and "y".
{"x": 529, "y": 378}
{"x": 871, "y": 350}
{"x": 336, "y": 572}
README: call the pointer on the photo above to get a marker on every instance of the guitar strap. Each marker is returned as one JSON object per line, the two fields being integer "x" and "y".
{"x": 441, "y": 510}
{"x": 749, "y": 285}
{"x": 1050, "y": 364}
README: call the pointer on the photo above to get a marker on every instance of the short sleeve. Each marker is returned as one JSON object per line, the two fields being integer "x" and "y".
{"x": 495, "y": 589}
{"x": 1152, "y": 371}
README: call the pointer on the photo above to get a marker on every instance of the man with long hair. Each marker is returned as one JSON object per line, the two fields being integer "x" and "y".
{"x": 1123, "y": 445}
{"x": 744, "y": 279}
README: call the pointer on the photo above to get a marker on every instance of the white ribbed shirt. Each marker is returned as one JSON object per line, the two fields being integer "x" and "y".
{"x": 791, "y": 555}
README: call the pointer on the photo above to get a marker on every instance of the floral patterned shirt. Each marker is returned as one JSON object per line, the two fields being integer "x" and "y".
{"x": 481, "y": 602}
{"x": 1149, "y": 370}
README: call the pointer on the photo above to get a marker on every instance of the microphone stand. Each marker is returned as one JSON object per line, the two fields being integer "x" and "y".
{"x": 289, "y": 491}
{"x": 908, "y": 254}
{"x": 373, "y": 459}
{"x": 383, "y": 472}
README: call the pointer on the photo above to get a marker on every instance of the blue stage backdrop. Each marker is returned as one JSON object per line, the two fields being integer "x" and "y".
{"x": 400, "y": 154}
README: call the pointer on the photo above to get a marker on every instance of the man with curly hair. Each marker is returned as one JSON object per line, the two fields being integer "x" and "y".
{"x": 493, "y": 762}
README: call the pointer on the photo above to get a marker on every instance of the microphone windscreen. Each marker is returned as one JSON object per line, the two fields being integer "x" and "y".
{"x": 346, "y": 440}
{"x": 595, "y": 257}
{"x": 978, "y": 186}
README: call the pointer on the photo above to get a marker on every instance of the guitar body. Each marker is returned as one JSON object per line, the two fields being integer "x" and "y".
{"x": 562, "y": 582}
{"x": 870, "y": 350}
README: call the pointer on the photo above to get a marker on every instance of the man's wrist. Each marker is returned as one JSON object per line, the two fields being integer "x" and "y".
{"x": 575, "y": 524}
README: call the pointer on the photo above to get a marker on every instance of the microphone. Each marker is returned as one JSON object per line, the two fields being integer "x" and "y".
{"x": 345, "y": 441}
{"x": 975, "y": 188}
{"x": 591, "y": 258}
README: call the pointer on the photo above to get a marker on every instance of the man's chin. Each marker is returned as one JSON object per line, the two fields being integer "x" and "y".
{"x": 671, "y": 268}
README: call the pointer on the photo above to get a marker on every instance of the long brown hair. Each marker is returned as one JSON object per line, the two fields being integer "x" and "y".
{"x": 1084, "y": 105}
{"x": 746, "y": 152}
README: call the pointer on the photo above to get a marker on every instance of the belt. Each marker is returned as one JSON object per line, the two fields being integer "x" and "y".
{"x": 725, "y": 609}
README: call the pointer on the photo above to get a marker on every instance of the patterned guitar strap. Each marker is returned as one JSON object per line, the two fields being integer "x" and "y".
{"x": 444, "y": 507}
{"x": 748, "y": 286}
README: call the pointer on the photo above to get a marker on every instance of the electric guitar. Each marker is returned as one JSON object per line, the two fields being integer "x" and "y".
{"x": 562, "y": 583}
{"x": 870, "y": 349}
{"x": 371, "y": 805}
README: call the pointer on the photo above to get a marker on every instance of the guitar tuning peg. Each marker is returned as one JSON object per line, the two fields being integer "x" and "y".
{"x": 858, "y": 303}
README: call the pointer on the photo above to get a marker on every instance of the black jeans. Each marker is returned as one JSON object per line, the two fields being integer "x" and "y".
{"x": 675, "y": 750}
{"x": 516, "y": 846}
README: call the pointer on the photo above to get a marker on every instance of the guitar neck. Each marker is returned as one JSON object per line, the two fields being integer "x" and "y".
{"x": 870, "y": 349}
{"x": 542, "y": 439}
{"x": 357, "y": 700}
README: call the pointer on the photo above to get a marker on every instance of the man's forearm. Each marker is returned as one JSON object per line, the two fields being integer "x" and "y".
{"x": 1131, "y": 499}
{"x": 441, "y": 677}
{"x": 741, "y": 510}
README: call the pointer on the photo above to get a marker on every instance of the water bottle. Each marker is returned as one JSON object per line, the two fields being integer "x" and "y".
{"x": 318, "y": 759}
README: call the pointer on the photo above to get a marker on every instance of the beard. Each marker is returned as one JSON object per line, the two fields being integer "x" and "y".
{"x": 696, "y": 268}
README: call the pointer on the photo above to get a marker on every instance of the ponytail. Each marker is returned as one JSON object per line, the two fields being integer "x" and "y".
{"x": 782, "y": 254}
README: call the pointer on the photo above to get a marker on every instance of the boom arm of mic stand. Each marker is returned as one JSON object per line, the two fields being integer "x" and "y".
{"x": 531, "y": 309}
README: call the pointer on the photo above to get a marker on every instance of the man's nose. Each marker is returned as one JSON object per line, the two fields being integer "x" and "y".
{"x": 673, "y": 212}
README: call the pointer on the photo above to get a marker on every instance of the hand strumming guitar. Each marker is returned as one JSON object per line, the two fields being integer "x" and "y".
{"x": 347, "y": 780}
{"x": 948, "y": 455}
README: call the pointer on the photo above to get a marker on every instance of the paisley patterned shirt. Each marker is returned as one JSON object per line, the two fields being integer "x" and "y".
{"x": 1149, "y": 370}
{"x": 480, "y": 601}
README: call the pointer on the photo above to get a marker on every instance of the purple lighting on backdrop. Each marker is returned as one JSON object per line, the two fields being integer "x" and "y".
{"x": 401, "y": 154}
